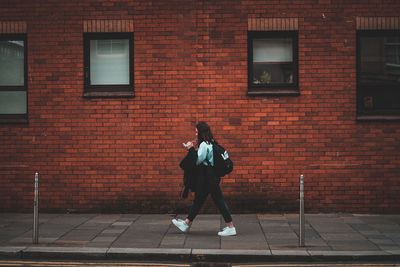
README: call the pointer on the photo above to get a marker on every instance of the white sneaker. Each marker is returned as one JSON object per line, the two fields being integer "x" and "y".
{"x": 228, "y": 231}
{"x": 181, "y": 224}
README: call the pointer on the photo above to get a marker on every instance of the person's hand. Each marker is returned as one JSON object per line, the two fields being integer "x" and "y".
{"x": 189, "y": 145}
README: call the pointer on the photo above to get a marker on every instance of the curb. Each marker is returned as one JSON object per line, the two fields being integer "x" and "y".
{"x": 159, "y": 254}
{"x": 194, "y": 255}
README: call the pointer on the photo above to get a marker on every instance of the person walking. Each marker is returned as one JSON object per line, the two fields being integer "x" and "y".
{"x": 206, "y": 182}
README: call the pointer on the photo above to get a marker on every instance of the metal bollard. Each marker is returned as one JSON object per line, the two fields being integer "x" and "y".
{"x": 35, "y": 235}
{"x": 301, "y": 219}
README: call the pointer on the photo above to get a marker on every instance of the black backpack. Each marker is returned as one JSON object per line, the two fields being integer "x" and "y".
{"x": 222, "y": 163}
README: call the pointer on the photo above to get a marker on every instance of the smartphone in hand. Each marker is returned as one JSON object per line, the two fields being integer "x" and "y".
{"x": 188, "y": 145}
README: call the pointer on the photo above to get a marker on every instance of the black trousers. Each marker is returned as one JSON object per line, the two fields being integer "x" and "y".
{"x": 208, "y": 184}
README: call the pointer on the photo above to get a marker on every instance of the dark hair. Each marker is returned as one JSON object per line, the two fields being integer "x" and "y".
{"x": 204, "y": 133}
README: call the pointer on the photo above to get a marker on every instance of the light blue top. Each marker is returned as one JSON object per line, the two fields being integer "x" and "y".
{"x": 204, "y": 152}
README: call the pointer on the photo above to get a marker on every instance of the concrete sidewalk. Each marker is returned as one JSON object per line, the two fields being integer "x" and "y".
{"x": 261, "y": 237}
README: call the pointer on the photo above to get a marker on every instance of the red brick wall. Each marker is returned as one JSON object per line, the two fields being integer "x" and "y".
{"x": 122, "y": 154}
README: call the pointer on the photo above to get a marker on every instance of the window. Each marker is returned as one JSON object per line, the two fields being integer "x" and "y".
{"x": 13, "y": 78}
{"x": 378, "y": 73}
{"x": 272, "y": 62}
{"x": 108, "y": 64}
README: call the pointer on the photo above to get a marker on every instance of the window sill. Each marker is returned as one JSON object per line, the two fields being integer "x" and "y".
{"x": 287, "y": 92}
{"x": 378, "y": 118}
{"x": 13, "y": 121}
{"x": 108, "y": 94}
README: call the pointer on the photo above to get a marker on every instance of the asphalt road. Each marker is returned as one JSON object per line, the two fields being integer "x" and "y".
{"x": 44, "y": 263}
{"x": 47, "y": 263}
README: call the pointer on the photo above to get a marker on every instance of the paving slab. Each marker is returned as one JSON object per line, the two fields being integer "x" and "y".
{"x": 148, "y": 236}
{"x": 352, "y": 245}
{"x": 382, "y": 241}
{"x": 145, "y": 232}
{"x": 203, "y": 232}
{"x": 105, "y": 218}
{"x": 62, "y": 220}
{"x": 123, "y": 224}
{"x": 331, "y": 227}
{"x": 249, "y": 236}
{"x": 128, "y": 217}
{"x": 342, "y": 236}
{"x": 113, "y": 231}
{"x": 173, "y": 240}
{"x": 81, "y": 234}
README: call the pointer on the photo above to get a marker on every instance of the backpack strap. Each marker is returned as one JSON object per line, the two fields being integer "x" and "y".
{"x": 206, "y": 160}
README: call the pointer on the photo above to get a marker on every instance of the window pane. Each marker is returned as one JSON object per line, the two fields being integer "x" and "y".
{"x": 272, "y": 50}
{"x": 12, "y": 63}
{"x": 109, "y": 62}
{"x": 12, "y": 102}
{"x": 273, "y": 61}
{"x": 380, "y": 60}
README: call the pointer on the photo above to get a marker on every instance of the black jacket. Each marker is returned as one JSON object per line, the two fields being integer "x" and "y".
{"x": 188, "y": 165}
{"x": 197, "y": 178}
